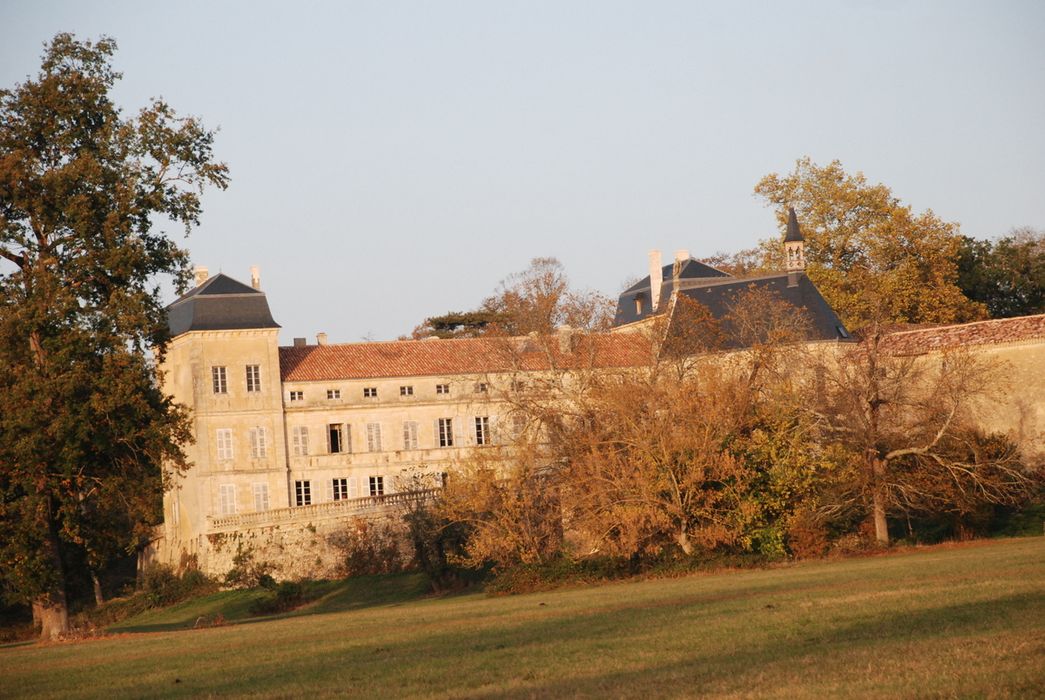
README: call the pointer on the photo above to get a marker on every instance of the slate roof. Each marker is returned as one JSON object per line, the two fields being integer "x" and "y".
{"x": 220, "y": 303}
{"x": 994, "y": 332}
{"x": 720, "y": 296}
{"x": 794, "y": 233}
{"x": 411, "y": 358}
{"x": 691, "y": 269}
{"x": 716, "y": 290}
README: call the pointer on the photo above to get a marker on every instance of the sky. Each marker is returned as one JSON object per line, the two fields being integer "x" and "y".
{"x": 392, "y": 160}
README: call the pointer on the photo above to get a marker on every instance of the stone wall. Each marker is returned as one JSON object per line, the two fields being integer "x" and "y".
{"x": 298, "y": 543}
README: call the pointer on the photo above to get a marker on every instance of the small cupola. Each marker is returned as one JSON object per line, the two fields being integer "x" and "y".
{"x": 794, "y": 248}
{"x": 794, "y": 243}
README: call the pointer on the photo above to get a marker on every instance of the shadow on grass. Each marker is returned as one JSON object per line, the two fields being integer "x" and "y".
{"x": 727, "y": 672}
{"x": 234, "y": 607}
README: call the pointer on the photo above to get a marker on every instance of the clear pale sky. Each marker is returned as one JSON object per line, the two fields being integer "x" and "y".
{"x": 392, "y": 160}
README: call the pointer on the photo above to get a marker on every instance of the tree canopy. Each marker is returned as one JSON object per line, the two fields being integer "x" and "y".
{"x": 1008, "y": 275}
{"x": 872, "y": 257}
{"x": 538, "y": 299}
{"x": 84, "y": 429}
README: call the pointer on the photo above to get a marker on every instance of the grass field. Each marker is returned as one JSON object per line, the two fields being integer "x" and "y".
{"x": 959, "y": 621}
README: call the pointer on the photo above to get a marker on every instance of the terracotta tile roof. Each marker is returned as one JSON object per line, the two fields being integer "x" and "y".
{"x": 409, "y": 358}
{"x": 1003, "y": 330}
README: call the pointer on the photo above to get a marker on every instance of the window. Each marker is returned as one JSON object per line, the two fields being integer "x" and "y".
{"x": 377, "y": 486}
{"x": 340, "y": 489}
{"x": 336, "y": 438}
{"x": 303, "y": 493}
{"x": 259, "y": 443}
{"x": 406, "y": 391}
{"x": 518, "y": 424}
{"x": 370, "y": 392}
{"x": 299, "y": 441}
{"x": 373, "y": 437}
{"x": 446, "y": 432}
{"x": 638, "y": 305}
{"x": 482, "y": 430}
{"x": 333, "y": 394}
{"x": 481, "y": 388}
{"x": 410, "y": 435}
{"x": 224, "y": 444}
{"x": 442, "y": 388}
{"x": 219, "y": 380}
{"x": 253, "y": 378}
{"x": 261, "y": 497}
{"x": 227, "y": 499}
{"x": 297, "y": 396}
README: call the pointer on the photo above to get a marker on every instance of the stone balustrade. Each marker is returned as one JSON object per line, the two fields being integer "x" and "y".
{"x": 367, "y": 505}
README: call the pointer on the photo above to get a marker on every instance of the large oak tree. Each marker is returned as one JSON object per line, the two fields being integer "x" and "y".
{"x": 84, "y": 429}
{"x": 871, "y": 255}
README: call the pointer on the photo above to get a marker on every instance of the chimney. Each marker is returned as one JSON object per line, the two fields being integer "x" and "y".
{"x": 300, "y": 342}
{"x": 201, "y": 275}
{"x": 321, "y": 338}
{"x": 255, "y": 277}
{"x": 656, "y": 278}
{"x": 681, "y": 255}
{"x": 565, "y": 334}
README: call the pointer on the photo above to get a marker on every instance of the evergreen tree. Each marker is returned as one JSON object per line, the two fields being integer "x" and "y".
{"x": 1008, "y": 275}
{"x": 84, "y": 428}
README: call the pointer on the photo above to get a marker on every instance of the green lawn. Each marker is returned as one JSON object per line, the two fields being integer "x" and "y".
{"x": 964, "y": 621}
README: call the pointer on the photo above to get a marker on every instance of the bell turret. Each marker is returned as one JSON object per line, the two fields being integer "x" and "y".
{"x": 794, "y": 249}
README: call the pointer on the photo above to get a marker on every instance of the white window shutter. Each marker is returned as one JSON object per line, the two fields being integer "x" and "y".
{"x": 353, "y": 487}
{"x": 330, "y": 489}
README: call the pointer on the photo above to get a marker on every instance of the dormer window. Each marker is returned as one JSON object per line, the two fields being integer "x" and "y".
{"x": 638, "y": 305}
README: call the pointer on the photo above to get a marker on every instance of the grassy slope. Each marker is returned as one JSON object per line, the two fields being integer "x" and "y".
{"x": 964, "y": 621}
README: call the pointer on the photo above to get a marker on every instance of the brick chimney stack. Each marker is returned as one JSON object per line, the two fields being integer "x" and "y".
{"x": 255, "y": 277}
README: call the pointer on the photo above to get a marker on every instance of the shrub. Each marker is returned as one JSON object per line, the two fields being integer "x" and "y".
{"x": 246, "y": 572}
{"x": 159, "y": 587}
{"x": 369, "y": 548}
{"x": 806, "y": 535}
{"x": 437, "y": 544}
{"x": 281, "y": 598}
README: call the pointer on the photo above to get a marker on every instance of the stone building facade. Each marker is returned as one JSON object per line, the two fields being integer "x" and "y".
{"x": 291, "y": 442}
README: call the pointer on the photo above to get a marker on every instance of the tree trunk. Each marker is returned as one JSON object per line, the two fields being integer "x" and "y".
{"x": 881, "y": 525}
{"x": 53, "y": 613}
{"x": 51, "y": 607}
{"x": 99, "y": 599}
{"x": 683, "y": 541}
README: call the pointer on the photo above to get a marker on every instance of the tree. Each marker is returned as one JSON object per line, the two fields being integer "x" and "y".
{"x": 907, "y": 422}
{"x": 507, "y": 504}
{"x": 870, "y": 255}
{"x": 656, "y": 455}
{"x": 1006, "y": 276}
{"x": 458, "y": 324}
{"x": 641, "y": 458}
{"x": 84, "y": 429}
{"x": 537, "y": 300}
